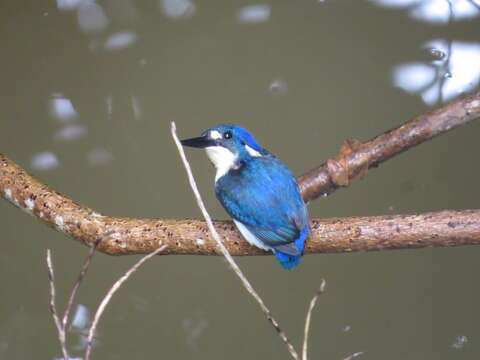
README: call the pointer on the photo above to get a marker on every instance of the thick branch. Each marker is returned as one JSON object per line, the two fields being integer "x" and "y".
{"x": 135, "y": 236}
{"x": 140, "y": 236}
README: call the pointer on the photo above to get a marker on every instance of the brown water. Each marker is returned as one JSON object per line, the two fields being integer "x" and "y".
{"x": 88, "y": 93}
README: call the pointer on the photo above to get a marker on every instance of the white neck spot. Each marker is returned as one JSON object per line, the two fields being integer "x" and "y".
{"x": 252, "y": 151}
{"x": 222, "y": 158}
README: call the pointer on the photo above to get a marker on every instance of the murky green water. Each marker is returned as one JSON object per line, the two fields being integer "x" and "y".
{"x": 88, "y": 93}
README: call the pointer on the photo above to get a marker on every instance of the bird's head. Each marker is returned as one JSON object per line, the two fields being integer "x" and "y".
{"x": 227, "y": 145}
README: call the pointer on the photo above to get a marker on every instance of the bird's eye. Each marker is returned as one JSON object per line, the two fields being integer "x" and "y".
{"x": 227, "y": 135}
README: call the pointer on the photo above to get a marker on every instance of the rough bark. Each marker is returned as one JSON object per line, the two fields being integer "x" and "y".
{"x": 135, "y": 236}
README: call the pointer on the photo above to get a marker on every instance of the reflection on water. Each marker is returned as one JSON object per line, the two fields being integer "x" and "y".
{"x": 45, "y": 160}
{"x": 455, "y": 69}
{"x": 66, "y": 5}
{"x": 120, "y": 40}
{"x": 91, "y": 17}
{"x": 460, "y": 342}
{"x": 177, "y": 9}
{"x": 99, "y": 156}
{"x": 81, "y": 318}
{"x": 136, "y": 107}
{"x": 71, "y": 132}
{"x": 436, "y": 11}
{"x": 455, "y": 65}
{"x": 80, "y": 325}
{"x": 194, "y": 326}
{"x": 278, "y": 86}
{"x": 254, "y": 14}
{"x": 62, "y": 108}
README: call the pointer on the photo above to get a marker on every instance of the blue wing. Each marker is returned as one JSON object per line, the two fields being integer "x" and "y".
{"x": 264, "y": 196}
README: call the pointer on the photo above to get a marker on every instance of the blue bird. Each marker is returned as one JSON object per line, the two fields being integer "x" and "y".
{"x": 258, "y": 191}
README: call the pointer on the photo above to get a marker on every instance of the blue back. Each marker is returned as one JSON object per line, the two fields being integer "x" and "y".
{"x": 262, "y": 194}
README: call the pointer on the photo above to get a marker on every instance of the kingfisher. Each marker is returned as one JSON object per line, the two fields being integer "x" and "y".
{"x": 258, "y": 191}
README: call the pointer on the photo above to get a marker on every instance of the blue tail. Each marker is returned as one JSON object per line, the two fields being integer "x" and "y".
{"x": 290, "y": 261}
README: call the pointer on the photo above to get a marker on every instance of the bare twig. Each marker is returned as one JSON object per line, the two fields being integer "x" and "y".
{"x": 62, "y": 326}
{"x": 354, "y": 355}
{"x": 53, "y": 308}
{"x": 225, "y": 252}
{"x": 81, "y": 276}
{"x": 313, "y": 302}
{"x": 108, "y": 296}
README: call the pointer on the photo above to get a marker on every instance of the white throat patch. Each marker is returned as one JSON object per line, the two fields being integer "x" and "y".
{"x": 222, "y": 158}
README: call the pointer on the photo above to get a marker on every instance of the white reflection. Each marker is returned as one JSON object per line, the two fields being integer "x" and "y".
{"x": 414, "y": 76}
{"x": 91, "y": 17}
{"x": 71, "y": 132}
{"x": 254, "y": 14}
{"x": 446, "y": 76}
{"x": 81, "y": 318}
{"x": 136, "y": 107}
{"x": 62, "y": 108}
{"x": 120, "y": 40}
{"x": 178, "y": 9}
{"x": 395, "y": 3}
{"x": 464, "y": 69}
{"x": 80, "y": 325}
{"x": 66, "y": 5}
{"x": 278, "y": 87}
{"x": 44, "y": 161}
{"x": 96, "y": 157}
{"x": 109, "y": 103}
{"x": 194, "y": 326}
{"x": 436, "y": 11}
{"x": 460, "y": 342}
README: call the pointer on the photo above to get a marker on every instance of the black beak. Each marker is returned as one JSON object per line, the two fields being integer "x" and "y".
{"x": 199, "y": 142}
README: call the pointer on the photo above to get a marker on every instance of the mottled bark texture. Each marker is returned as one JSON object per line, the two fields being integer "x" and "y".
{"x": 137, "y": 236}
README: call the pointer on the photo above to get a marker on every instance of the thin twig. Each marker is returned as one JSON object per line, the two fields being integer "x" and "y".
{"x": 108, "y": 296}
{"x": 354, "y": 355}
{"x": 81, "y": 276}
{"x": 225, "y": 252}
{"x": 313, "y": 302}
{"x": 53, "y": 307}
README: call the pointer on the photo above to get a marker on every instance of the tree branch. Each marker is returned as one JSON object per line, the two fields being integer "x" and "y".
{"x": 140, "y": 236}
{"x": 355, "y": 158}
